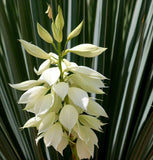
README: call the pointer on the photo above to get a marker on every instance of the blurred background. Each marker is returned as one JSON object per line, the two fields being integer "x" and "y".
{"x": 125, "y": 27}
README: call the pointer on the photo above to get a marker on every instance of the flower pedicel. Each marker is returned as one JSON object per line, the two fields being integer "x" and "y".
{"x": 64, "y": 114}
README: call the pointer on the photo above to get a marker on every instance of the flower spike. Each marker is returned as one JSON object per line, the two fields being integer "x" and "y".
{"x": 64, "y": 114}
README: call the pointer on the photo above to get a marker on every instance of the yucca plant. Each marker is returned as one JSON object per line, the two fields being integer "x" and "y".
{"x": 126, "y": 29}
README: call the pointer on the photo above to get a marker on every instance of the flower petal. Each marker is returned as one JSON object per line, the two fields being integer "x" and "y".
{"x": 81, "y": 131}
{"x": 63, "y": 143}
{"x": 79, "y": 109}
{"x": 32, "y": 122}
{"x": 57, "y": 103}
{"x": 69, "y": 64}
{"x": 91, "y": 122}
{"x": 53, "y": 135}
{"x": 45, "y": 65}
{"x": 46, "y": 122}
{"x": 54, "y": 56}
{"x": 86, "y": 50}
{"x": 68, "y": 117}
{"x": 51, "y": 75}
{"x": 83, "y": 150}
{"x": 61, "y": 89}
{"x": 32, "y": 94}
{"x": 23, "y": 86}
{"x": 43, "y": 104}
{"x": 30, "y": 107}
{"x": 79, "y": 97}
{"x": 44, "y": 34}
{"x": 95, "y": 109}
{"x": 87, "y": 72}
{"x": 34, "y": 50}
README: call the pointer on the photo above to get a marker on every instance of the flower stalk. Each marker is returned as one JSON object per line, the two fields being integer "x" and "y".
{"x": 74, "y": 152}
{"x": 60, "y": 61}
{"x": 59, "y": 98}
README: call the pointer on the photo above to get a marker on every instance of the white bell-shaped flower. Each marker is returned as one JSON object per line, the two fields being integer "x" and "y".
{"x": 45, "y": 65}
{"x": 91, "y": 122}
{"x": 86, "y": 134}
{"x": 32, "y": 122}
{"x": 84, "y": 150}
{"x": 51, "y": 75}
{"x": 23, "y": 86}
{"x": 43, "y": 104}
{"x": 32, "y": 94}
{"x": 86, "y": 83}
{"x": 86, "y": 71}
{"x": 53, "y": 135}
{"x": 95, "y": 109}
{"x": 47, "y": 121}
{"x": 68, "y": 117}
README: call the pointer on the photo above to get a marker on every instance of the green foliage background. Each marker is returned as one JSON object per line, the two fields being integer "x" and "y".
{"x": 125, "y": 27}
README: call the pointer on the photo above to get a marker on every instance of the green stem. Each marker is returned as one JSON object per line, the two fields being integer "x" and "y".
{"x": 65, "y": 52}
{"x": 60, "y": 60}
{"x": 74, "y": 152}
{"x": 65, "y": 45}
{"x": 54, "y": 47}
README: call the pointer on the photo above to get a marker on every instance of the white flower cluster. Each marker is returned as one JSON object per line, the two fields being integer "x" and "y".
{"x": 63, "y": 112}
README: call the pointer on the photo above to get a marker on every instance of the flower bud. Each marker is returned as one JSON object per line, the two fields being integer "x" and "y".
{"x": 57, "y": 26}
{"x": 59, "y": 21}
{"x": 44, "y": 34}
{"x": 75, "y": 32}
{"x": 34, "y": 50}
{"x": 57, "y": 33}
{"x": 86, "y": 50}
